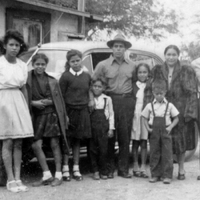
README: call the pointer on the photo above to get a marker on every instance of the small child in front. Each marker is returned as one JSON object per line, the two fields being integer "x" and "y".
{"x": 157, "y": 117}
{"x": 102, "y": 126}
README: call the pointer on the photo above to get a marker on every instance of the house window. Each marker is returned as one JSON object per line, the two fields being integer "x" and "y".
{"x": 32, "y": 31}
{"x": 34, "y": 25}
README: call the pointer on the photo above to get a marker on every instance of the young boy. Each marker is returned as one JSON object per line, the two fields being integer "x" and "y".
{"x": 160, "y": 117}
{"x": 102, "y": 126}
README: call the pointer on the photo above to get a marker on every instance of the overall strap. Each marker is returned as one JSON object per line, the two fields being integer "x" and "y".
{"x": 105, "y": 101}
{"x": 166, "y": 109}
{"x": 153, "y": 109}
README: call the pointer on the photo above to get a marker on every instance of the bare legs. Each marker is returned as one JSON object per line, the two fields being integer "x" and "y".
{"x": 37, "y": 147}
{"x": 135, "y": 147}
{"x": 12, "y": 154}
{"x": 181, "y": 160}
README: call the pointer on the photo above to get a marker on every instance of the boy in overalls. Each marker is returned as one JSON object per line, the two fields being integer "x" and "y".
{"x": 160, "y": 117}
{"x": 102, "y": 126}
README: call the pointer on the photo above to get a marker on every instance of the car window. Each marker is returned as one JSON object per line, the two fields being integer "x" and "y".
{"x": 140, "y": 57}
{"x": 98, "y": 57}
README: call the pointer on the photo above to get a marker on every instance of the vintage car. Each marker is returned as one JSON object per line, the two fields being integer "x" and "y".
{"x": 93, "y": 53}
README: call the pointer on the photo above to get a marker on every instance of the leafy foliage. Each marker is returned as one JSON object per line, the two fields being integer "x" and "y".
{"x": 141, "y": 18}
{"x": 193, "y": 50}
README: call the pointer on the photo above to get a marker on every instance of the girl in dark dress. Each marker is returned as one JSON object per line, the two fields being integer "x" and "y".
{"x": 49, "y": 117}
{"x": 182, "y": 92}
{"x": 75, "y": 87}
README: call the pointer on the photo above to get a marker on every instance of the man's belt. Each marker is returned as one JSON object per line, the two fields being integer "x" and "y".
{"x": 120, "y": 95}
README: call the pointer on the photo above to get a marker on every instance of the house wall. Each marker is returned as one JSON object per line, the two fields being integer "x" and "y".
{"x": 61, "y": 26}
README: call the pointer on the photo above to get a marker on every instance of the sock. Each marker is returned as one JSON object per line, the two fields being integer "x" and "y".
{"x": 46, "y": 175}
{"x": 76, "y": 170}
{"x": 58, "y": 175}
{"x": 65, "y": 168}
{"x": 65, "y": 171}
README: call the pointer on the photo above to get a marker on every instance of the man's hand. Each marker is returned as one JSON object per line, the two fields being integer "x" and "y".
{"x": 91, "y": 105}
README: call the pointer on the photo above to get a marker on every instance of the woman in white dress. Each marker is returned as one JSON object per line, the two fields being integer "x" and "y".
{"x": 15, "y": 120}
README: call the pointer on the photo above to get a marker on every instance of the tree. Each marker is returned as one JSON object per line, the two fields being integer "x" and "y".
{"x": 193, "y": 50}
{"x": 140, "y": 18}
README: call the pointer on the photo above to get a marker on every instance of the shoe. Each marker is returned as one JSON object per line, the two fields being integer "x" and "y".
{"x": 43, "y": 182}
{"x": 104, "y": 177}
{"x": 137, "y": 173}
{"x": 124, "y": 174}
{"x": 181, "y": 176}
{"x": 96, "y": 176}
{"x": 154, "y": 179}
{"x": 66, "y": 176}
{"x": 110, "y": 175}
{"x": 56, "y": 182}
{"x": 77, "y": 176}
{"x": 167, "y": 180}
{"x": 12, "y": 186}
{"x": 143, "y": 174}
{"x": 21, "y": 186}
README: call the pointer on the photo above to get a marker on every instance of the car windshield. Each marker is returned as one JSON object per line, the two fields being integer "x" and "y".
{"x": 57, "y": 60}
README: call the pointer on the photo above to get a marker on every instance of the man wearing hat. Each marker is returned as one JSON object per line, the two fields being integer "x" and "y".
{"x": 119, "y": 73}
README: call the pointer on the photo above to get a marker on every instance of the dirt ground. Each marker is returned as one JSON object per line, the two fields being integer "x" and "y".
{"x": 112, "y": 189}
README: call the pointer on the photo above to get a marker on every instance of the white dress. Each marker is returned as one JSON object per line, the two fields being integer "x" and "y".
{"x": 138, "y": 132}
{"x": 15, "y": 120}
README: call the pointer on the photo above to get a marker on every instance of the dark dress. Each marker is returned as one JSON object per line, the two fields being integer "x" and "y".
{"x": 183, "y": 94}
{"x": 75, "y": 90}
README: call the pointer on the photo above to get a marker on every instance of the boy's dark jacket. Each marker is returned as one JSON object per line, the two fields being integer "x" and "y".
{"x": 59, "y": 105}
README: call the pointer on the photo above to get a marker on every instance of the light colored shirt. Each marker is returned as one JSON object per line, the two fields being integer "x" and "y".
{"x": 109, "y": 113}
{"x": 159, "y": 109}
{"x": 119, "y": 76}
{"x": 75, "y": 73}
{"x": 12, "y": 75}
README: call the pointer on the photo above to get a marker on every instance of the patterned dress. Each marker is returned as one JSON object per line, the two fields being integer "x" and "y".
{"x": 15, "y": 120}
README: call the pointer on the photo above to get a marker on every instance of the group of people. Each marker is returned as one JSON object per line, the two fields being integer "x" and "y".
{"x": 118, "y": 102}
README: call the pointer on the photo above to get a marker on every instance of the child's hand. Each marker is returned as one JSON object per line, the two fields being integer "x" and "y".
{"x": 150, "y": 130}
{"x": 110, "y": 133}
{"x": 169, "y": 129}
{"x": 38, "y": 104}
{"x": 47, "y": 102}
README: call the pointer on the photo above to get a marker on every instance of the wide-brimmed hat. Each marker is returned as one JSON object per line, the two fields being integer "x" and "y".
{"x": 119, "y": 38}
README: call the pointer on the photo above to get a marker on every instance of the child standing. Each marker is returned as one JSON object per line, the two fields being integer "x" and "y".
{"x": 102, "y": 126}
{"x": 157, "y": 118}
{"x": 139, "y": 134}
{"x": 75, "y": 87}
{"x": 49, "y": 118}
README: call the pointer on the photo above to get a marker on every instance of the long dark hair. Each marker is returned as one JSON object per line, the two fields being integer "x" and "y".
{"x": 69, "y": 55}
{"x": 13, "y": 34}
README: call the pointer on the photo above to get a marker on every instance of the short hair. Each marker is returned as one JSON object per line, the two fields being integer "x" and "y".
{"x": 69, "y": 55}
{"x": 39, "y": 56}
{"x": 100, "y": 79}
{"x": 172, "y": 47}
{"x": 160, "y": 85}
{"x": 13, "y": 34}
